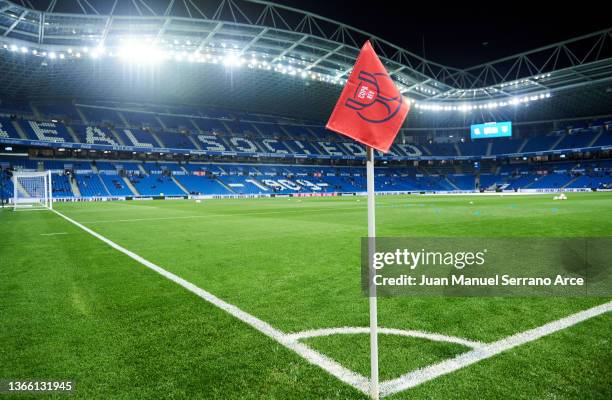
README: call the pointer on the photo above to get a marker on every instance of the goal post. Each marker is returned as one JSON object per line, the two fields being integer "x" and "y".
{"x": 32, "y": 190}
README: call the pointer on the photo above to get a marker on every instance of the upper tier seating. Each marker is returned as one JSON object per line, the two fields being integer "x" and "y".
{"x": 605, "y": 139}
{"x": 7, "y": 130}
{"x": 176, "y": 122}
{"x": 506, "y": 146}
{"x": 63, "y": 111}
{"x": 136, "y": 137}
{"x": 15, "y": 107}
{"x": 540, "y": 143}
{"x": 99, "y": 116}
{"x": 46, "y": 131}
{"x": 141, "y": 119}
{"x": 577, "y": 140}
{"x": 107, "y": 123}
{"x": 474, "y": 148}
{"x": 95, "y": 135}
{"x": 175, "y": 140}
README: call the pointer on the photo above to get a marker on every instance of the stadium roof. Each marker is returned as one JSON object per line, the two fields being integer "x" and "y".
{"x": 261, "y": 56}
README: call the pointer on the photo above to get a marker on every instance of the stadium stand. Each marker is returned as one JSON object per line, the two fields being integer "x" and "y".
{"x": 540, "y": 143}
{"x": 157, "y": 178}
{"x": 90, "y": 185}
{"x": 7, "y": 130}
{"x": 155, "y": 185}
{"x": 194, "y": 130}
{"x": 61, "y": 186}
{"x": 100, "y": 115}
{"x": 115, "y": 185}
{"x": 46, "y": 131}
{"x": 202, "y": 185}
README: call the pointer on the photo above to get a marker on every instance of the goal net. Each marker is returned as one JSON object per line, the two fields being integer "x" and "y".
{"x": 32, "y": 190}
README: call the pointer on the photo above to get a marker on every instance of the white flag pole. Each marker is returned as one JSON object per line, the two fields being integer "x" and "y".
{"x": 374, "y": 390}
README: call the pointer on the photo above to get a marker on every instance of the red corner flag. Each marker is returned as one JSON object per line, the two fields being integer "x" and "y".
{"x": 370, "y": 110}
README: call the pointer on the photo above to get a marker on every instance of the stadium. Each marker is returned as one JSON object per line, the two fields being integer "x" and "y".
{"x": 178, "y": 222}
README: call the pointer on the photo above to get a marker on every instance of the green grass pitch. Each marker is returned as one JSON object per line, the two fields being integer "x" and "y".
{"x": 71, "y": 307}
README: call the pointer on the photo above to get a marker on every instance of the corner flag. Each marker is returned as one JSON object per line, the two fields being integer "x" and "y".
{"x": 370, "y": 110}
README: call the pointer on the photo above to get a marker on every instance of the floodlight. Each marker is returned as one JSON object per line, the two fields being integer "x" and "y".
{"x": 232, "y": 60}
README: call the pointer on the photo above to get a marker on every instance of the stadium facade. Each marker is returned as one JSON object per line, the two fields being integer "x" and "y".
{"x": 170, "y": 99}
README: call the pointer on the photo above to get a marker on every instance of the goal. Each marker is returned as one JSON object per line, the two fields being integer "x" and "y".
{"x": 32, "y": 190}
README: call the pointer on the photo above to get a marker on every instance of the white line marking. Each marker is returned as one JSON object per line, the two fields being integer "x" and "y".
{"x": 423, "y": 375}
{"x": 54, "y": 233}
{"x": 387, "y": 331}
{"x": 345, "y": 375}
{"x": 354, "y": 379}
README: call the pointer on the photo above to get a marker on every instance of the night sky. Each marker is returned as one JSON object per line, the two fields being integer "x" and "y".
{"x": 467, "y": 33}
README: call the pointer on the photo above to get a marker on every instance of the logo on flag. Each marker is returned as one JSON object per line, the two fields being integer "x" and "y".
{"x": 370, "y": 105}
{"x": 371, "y": 109}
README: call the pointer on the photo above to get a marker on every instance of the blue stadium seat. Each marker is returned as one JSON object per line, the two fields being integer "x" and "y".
{"x": 202, "y": 185}
{"x": 155, "y": 185}
{"x": 46, "y": 131}
{"x": 136, "y": 137}
{"x": 99, "y": 116}
{"x": 61, "y": 186}
{"x": 605, "y": 139}
{"x": 506, "y": 146}
{"x": 175, "y": 140}
{"x": 576, "y": 140}
{"x": 540, "y": 143}
{"x": 141, "y": 119}
{"x": 463, "y": 182}
{"x": 474, "y": 148}
{"x": 115, "y": 185}
{"x": 95, "y": 135}
{"x": 59, "y": 110}
{"x": 176, "y": 122}
{"x": 90, "y": 185}
{"x": 7, "y": 130}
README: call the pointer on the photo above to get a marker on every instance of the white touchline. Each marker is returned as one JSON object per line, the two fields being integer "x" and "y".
{"x": 354, "y": 379}
{"x": 291, "y": 341}
{"x": 423, "y": 375}
{"x": 54, "y": 233}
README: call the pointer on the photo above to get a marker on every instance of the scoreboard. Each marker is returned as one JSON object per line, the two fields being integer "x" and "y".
{"x": 491, "y": 130}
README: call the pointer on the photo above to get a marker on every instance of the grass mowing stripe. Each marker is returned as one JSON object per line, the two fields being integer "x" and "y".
{"x": 220, "y": 215}
{"x": 358, "y": 381}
